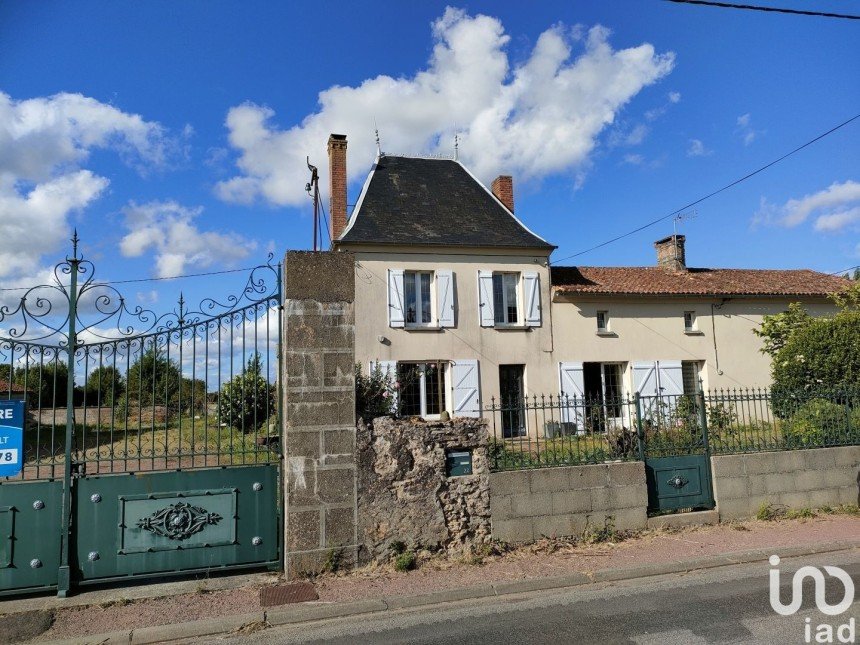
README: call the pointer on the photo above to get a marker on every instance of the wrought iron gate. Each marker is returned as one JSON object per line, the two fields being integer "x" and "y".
{"x": 673, "y": 443}
{"x": 152, "y": 442}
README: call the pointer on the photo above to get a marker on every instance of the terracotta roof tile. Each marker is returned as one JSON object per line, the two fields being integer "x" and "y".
{"x": 699, "y": 282}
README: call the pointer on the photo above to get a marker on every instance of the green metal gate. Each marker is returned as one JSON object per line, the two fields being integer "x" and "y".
{"x": 152, "y": 442}
{"x": 673, "y": 443}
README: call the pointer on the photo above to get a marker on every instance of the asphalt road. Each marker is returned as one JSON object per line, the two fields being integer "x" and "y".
{"x": 726, "y": 605}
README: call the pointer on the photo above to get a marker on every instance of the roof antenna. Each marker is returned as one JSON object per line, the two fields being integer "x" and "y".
{"x": 456, "y": 147}
{"x": 378, "y": 146}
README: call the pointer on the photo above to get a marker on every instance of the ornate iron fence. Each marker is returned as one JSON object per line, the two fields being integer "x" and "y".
{"x": 542, "y": 431}
{"x": 112, "y": 387}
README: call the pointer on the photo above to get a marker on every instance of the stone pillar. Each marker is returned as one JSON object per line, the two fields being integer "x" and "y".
{"x": 319, "y": 411}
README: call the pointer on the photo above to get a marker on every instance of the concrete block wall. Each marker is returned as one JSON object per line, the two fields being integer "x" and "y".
{"x": 796, "y": 479}
{"x": 528, "y": 504}
{"x": 319, "y": 411}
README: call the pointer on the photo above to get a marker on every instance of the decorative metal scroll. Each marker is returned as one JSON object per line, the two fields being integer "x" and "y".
{"x": 46, "y": 312}
{"x": 178, "y": 521}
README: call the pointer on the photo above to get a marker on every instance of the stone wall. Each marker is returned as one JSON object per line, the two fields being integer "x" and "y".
{"x": 404, "y": 493}
{"x": 529, "y": 504}
{"x": 319, "y": 410}
{"x": 795, "y": 478}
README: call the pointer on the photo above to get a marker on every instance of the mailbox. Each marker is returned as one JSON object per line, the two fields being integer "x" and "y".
{"x": 458, "y": 463}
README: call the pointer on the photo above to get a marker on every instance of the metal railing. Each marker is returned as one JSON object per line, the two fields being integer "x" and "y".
{"x": 543, "y": 431}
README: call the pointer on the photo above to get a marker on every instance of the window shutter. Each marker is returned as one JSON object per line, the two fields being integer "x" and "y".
{"x": 395, "y": 298}
{"x": 445, "y": 297}
{"x": 645, "y": 379}
{"x": 531, "y": 284}
{"x": 466, "y": 388}
{"x": 671, "y": 378}
{"x": 485, "y": 299}
{"x": 572, "y": 390}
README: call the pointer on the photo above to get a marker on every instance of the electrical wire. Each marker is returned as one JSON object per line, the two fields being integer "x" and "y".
{"x": 134, "y": 280}
{"x": 750, "y": 7}
{"x": 675, "y": 212}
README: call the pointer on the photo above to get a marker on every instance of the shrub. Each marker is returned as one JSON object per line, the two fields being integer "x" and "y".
{"x": 375, "y": 394}
{"x": 246, "y": 402}
{"x": 404, "y": 561}
{"x": 816, "y": 423}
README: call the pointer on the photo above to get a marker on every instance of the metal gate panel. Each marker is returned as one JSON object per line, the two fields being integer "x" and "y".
{"x": 678, "y": 482}
{"x": 29, "y": 535}
{"x": 169, "y": 522}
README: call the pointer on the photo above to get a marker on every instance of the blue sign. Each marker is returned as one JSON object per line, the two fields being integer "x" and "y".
{"x": 11, "y": 438}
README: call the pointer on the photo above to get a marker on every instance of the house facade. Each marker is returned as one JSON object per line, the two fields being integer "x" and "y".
{"x": 458, "y": 299}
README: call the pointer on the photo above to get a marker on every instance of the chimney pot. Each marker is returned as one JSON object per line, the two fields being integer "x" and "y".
{"x": 671, "y": 254}
{"x": 337, "y": 184}
{"x": 503, "y": 189}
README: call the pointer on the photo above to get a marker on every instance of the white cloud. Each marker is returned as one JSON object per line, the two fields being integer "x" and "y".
{"x": 838, "y": 220}
{"x": 168, "y": 229}
{"x": 697, "y": 149}
{"x": 634, "y": 159}
{"x": 674, "y": 97}
{"x": 43, "y": 143}
{"x": 835, "y": 208}
{"x": 745, "y": 130}
{"x": 538, "y": 118}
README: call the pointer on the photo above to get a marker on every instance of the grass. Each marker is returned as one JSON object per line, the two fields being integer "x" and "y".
{"x": 184, "y": 437}
{"x": 773, "y": 512}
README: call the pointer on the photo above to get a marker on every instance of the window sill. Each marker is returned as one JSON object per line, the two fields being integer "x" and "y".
{"x": 693, "y": 332}
{"x": 508, "y": 327}
{"x": 607, "y": 334}
{"x": 423, "y": 328}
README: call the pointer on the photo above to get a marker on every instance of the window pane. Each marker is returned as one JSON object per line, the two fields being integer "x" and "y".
{"x": 690, "y": 376}
{"x": 614, "y": 389}
{"x": 498, "y": 298}
{"x": 410, "y": 302}
{"x": 425, "y": 297}
{"x": 511, "y": 298}
{"x": 409, "y": 380}
{"x": 432, "y": 385}
{"x": 601, "y": 321}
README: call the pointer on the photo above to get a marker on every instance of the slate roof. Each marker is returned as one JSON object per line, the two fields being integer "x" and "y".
{"x": 698, "y": 282}
{"x": 435, "y": 202}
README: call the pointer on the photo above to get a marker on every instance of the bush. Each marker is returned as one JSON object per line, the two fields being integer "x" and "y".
{"x": 375, "y": 394}
{"x": 404, "y": 561}
{"x": 246, "y": 402}
{"x": 817, "y": 423}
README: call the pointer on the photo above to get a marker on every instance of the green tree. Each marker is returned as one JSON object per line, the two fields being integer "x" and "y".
{"x": 193, "y": 396}
{"x": 153, "y": 379}
{"x": 776, "y": 329}
{"x": 105, "y": 386}
{"x": 822, "y": 355}
{"x": 375, "y": 394}
{"x": 246, "y": 402}
{"x": 47, "y": 383}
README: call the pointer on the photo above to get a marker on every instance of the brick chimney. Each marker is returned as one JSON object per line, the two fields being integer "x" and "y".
{"x": 337, "y": 184}
{"x": 670, "y": 253}
{"x": 503, "y": 189}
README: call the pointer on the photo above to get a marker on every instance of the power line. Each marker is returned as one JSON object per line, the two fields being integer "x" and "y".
{"x": 750, "y": 7}
{"x": 856, "y": 266}
{"x": 712, "y": 194}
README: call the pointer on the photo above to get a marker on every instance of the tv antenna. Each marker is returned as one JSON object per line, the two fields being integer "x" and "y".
{"x": 683, "y": 216}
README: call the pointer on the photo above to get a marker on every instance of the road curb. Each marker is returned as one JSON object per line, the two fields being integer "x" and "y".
{"x": 297, "y": 614}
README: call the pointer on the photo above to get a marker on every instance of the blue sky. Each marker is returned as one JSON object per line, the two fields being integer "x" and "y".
{"x": 171, "y": 134}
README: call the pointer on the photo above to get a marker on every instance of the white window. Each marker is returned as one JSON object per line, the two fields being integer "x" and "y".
{"x": 421, "y": 299}
{"x": 509, "y": 299}
{"x": 602, "y": 322}
{"x": 690, "y": 321}
{"x": 418, "y": 307}
{"x": 506, "y": 293}
{"x": 422, "y": 389}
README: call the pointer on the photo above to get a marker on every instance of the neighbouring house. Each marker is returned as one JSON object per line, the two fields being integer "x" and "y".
{"x": 9, "y": 388}
{"x": 456, "y": 297}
